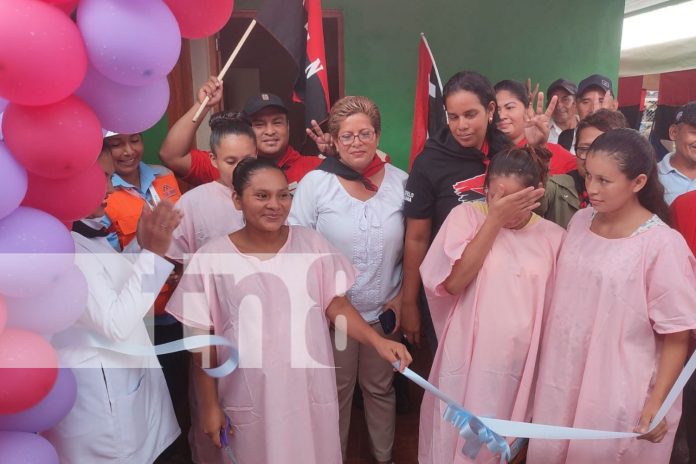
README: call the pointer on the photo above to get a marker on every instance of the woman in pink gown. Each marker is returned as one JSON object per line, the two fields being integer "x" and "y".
{"x": 616, "y": 336}
{"x": 208, "y": 209}
{"x": 486, "y": 277}
{"x": 271, "y": 290}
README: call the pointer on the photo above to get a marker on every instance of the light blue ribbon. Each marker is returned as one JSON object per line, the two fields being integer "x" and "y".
{"x": 184, "y": 344}
{"x": 474, "y": 432}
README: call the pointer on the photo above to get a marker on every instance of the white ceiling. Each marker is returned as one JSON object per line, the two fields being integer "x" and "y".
{"x": 636, "y": 5}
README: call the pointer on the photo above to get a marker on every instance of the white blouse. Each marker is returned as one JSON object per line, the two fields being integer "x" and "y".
{"x": 369, "y": 233}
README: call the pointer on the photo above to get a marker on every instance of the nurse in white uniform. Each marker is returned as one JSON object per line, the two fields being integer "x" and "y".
{"x": 123, "y": 412}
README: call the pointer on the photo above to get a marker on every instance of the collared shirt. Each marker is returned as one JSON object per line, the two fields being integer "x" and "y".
{"x": 555, "y": 133}
{"x": 675, "y": 182}
{"x": 148, "y": 174}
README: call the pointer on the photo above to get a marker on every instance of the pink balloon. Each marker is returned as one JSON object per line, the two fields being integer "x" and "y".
{"x": 35, "y": 249}
{"x": 122, "y": 108}
{"x": 29, "y": 367}
{"x": 55, "y": 141}
{"x": 13, "y": 182}
{"x": 67, "y": 199}
{"x": 133, "y": 42}
{"x": 54, "y": 310}
{"x": 43, "y": 57}
{"x": 49, "y": 411}
{"x": 202, "y": 18}
{"x": 67, "y": 6}
{"x": 3, "y": 314}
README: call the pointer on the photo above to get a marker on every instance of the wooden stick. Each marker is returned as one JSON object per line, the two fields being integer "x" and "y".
{"x": 226, "y": 67}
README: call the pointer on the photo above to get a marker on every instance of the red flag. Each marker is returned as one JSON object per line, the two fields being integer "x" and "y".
{"x": 429, "y": 111}
{"x": 297, "y": 26}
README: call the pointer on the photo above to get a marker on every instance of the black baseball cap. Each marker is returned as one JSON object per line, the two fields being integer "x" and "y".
{"x": 686, "y": 114}
{"x": 562, "y": 84}
{"x": 595, "y": 80}
{"x": 264, "y": 100}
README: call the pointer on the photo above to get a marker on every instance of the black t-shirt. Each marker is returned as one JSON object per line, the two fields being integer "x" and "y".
{"x": 444, "y": 175}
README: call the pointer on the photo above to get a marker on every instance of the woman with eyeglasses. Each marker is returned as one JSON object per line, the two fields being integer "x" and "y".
{"x": 355, "y": 200}
{"x": 565, "y": 193}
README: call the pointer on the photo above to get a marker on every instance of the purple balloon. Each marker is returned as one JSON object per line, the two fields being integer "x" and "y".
{"x": 49, "y": 411}
{"x": 55, "y": 309}
{"x": 3, "y": 104}
{"x": 133, "y": 42}
{"x": 26, "y": 448}
{"x": 13, "y": 182}
{"x": 122, "y": 108}
{"x": 35, "y": 249}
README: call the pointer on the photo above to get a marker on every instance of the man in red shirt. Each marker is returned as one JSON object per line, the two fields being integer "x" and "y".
{"x": 269, "y": 119}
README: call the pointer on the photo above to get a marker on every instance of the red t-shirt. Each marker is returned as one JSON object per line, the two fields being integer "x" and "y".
{"x": 562, "y": 160}
{"x": 684, "y": 219}
{"x": 292, "y": 163}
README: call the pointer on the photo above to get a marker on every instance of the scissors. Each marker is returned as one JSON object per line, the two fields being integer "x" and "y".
{"x": 225, "y": 441}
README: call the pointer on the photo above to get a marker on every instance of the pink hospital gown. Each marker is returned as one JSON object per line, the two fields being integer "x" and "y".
{"x": 488, "y": 335}
{"x": 282, "y": 399}
{"x": 613, "y": 300}
{"x": 208, "y": 213}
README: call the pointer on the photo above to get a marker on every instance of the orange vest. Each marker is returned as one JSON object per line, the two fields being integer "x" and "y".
{"x": 124, "y": 208}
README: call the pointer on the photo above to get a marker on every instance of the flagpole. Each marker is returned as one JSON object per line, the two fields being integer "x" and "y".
{"x": 437, "y": 73}
{"x": 227, "y": 67}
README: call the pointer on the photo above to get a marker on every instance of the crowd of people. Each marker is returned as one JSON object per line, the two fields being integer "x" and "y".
{"x": 533, "y": 248}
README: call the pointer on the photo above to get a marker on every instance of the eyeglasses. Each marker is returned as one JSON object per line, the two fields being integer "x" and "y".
{"x": 581, "y": 152}
{"x": 347, "y": 138}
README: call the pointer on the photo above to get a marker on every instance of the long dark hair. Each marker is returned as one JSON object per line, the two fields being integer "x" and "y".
{"x": 226, "y": 123}
{"x": 515, "y": 88}
{"x": 478, "y": 84}
{"x": 246, "y": 168}
{"x": 635, "y": 156}
{"x": 529, "y": 164}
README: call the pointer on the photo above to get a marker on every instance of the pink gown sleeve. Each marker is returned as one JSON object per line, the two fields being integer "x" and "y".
{"x": 331, "y": 274}
{"x": 456, "y": 232}
{"x": 671, "y": 285}
{"x": 194, "y": 298}
{"x": 183, "y": 237}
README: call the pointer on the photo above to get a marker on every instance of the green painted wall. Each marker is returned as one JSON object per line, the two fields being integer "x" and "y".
{"x": 152, "y": 139}
{"x": 542, "y": 39}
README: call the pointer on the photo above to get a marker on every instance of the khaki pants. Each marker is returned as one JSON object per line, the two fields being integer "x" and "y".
{"x": 375, "y": 376}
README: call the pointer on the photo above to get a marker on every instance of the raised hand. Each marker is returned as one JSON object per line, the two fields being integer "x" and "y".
{"x": 213, "y": 89}
{"x": 504, "y": 209}
{"x": 537, "y": 123}
{"x": 323, "y": 140}
{"x": 155, "y": 227}
{"x": 531, "y": 93}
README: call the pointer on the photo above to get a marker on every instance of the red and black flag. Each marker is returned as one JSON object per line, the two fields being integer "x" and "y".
{"x": 429, "y": 112}
{"x": 297, "y": 26}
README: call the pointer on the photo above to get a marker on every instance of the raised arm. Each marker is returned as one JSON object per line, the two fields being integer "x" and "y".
{"x": 175, "y": 152}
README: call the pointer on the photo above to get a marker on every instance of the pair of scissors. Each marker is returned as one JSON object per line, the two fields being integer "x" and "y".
{"x": 225, "y": 441}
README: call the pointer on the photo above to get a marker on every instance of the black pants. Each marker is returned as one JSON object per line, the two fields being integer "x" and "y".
{"x": 175, "y": 369}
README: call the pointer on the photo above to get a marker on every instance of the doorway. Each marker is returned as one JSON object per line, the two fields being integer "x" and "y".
{"x": 263, "y": 65}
